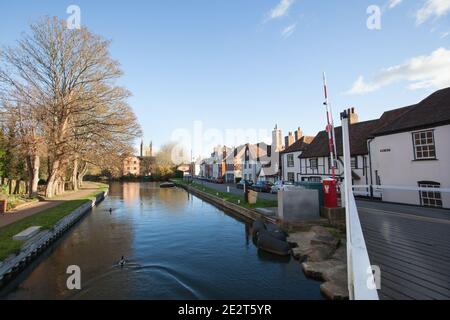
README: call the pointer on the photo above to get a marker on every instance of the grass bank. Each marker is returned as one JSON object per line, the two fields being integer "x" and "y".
{"x": 239, "y": 200}
{"x": 46, "y": 219}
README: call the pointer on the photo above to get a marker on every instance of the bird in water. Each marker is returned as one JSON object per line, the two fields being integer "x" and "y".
{"x": 122, "y": 261}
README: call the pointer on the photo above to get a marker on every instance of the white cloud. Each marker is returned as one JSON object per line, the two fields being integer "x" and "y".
{"x": 432, "y": 8}
{"x": 288, "y": 31}
{"x": 281, "y": 9}
{"x": 428, "y": 71}
{"x": 394, "y": 3}
{"x": 445, "y": 35}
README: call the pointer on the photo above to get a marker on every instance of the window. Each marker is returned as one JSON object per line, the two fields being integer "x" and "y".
{"x": 315, "y": 179}
{"x": 313, "y": 163}
{"x": 290, "y": 160}
{"x": 424, "y": 147}
{"x": 430, "y": 198}
{"x": 291, "y": 176}
{"x": 354, "y": 162}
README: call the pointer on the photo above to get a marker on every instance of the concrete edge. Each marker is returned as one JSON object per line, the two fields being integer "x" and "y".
{"x": 221, "y": 203}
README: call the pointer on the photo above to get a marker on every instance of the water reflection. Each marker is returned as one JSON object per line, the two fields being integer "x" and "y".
{"x": 178, "y": 247}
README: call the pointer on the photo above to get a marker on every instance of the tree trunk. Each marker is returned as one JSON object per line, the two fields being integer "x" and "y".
{"x": 17, "y": 187}
{"x": 52, "y": 179}
{"x": 82, "y": 172}
{"x": 74, "y": 179}
{"x": 33, "y": 163}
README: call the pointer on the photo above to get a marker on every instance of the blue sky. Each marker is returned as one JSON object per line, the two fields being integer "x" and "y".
{"x": 227, "y": 62}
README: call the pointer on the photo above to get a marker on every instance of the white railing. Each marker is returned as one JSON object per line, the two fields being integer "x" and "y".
{"x": 380, "y": 188}
{"x": 361, "y": 281}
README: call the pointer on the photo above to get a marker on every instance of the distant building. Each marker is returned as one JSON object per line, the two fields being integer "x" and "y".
{"x": 141, "y": 165}
{"x": 271, "y": 164}
{"x": 290, "y": 162}
{"x": 131, "y": 166}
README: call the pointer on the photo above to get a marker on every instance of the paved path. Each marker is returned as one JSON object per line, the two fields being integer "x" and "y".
{"x": 234, "y": 190}
{"x": 32, "y": 209}
{"x": 412, "y": 247}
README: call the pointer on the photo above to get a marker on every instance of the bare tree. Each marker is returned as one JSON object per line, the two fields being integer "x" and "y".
{"x": 69, "y": 78}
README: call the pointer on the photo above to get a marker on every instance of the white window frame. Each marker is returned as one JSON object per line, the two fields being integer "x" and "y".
{"x": 430, "y": 199}
{"x": 290, "y": 160}
{"x": 423, "y": 146}
{"x": 317, "y": 163}
{"x": 291, "y": 174}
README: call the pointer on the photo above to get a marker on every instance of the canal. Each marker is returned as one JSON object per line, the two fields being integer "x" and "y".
{"x": 178, "y": 247}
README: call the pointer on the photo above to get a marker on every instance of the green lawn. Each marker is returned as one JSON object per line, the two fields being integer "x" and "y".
{"x": 261, "y": 203}
{"x": 46, "y": 219}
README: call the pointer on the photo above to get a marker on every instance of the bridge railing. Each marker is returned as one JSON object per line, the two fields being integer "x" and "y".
{"x": 361, "y": 280}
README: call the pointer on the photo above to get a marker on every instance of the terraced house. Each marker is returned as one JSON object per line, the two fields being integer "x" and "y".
{"x": 401, "y": 157}
{"x": 410, "y": 149}
{"x": 315, "y": 164}
{"x": 295, "y": 144}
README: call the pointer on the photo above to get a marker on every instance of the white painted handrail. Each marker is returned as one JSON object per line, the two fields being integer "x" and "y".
{"x": 361, "y": 281}
{"x": 380, "y": 187}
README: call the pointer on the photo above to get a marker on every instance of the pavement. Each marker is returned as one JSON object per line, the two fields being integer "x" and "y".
{"x": 36, "y": 207}
{"x": 233, "y": 189}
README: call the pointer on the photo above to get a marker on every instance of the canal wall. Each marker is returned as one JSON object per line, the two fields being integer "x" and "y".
{"x": 11, "y": 267}
{"x": 223, "y": 204}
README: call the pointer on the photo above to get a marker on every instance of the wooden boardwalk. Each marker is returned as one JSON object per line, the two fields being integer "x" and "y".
{"x": 411, "y": 246}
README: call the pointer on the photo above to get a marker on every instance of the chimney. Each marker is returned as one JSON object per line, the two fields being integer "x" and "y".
{"x": 352, "y": 116}
{"x": 289, "y": 140}
{"x": 298, "y": 134}
{"x": 277, "y": 140}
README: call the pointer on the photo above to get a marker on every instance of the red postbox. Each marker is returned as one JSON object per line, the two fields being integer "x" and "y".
{"x": 330, "y": 193}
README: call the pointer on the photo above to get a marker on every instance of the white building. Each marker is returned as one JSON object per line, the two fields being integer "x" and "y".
{"x": 412, "y": 149}
{"x": 290, "y": 157}
{"x": 270, "y": 163}
{"x": 315, "y": 164}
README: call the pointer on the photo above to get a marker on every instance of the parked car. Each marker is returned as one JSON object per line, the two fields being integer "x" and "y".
{"x": 219, "y": 180}
{"x": 241, "y": 184}
{"x": 262, "y": 186}
{"x": 281, "y": 185}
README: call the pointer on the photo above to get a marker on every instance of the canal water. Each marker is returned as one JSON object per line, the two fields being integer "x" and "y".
{"x": 178, "y": 247}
